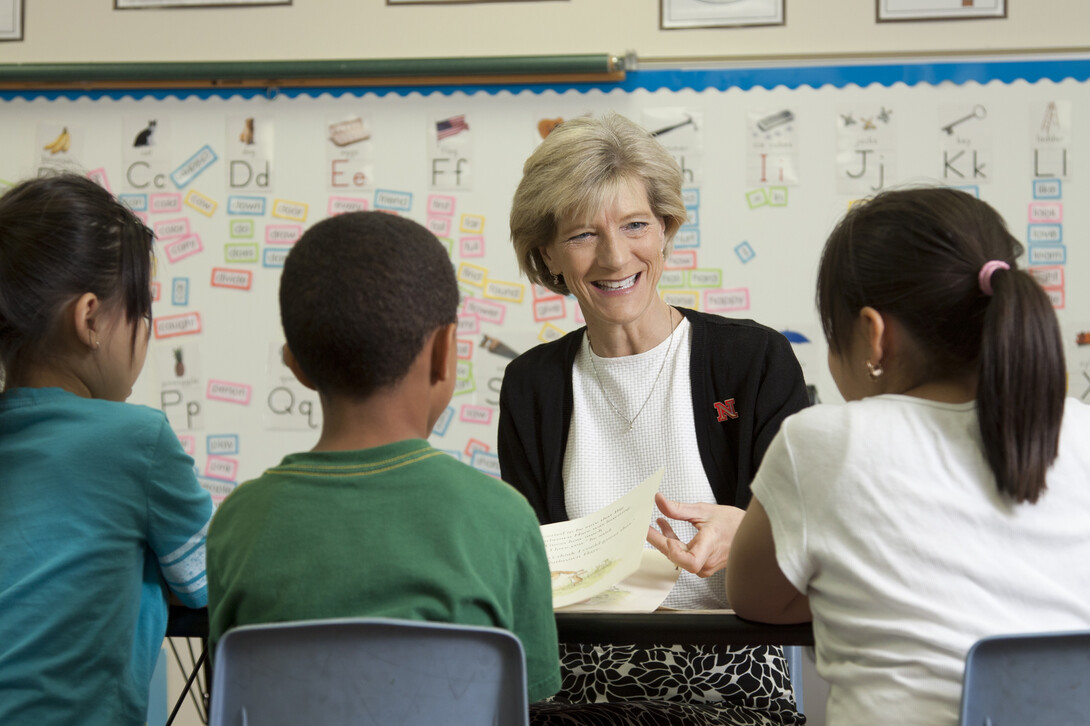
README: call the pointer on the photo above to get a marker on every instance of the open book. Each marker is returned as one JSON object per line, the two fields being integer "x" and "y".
{"x": 599, "y": 562}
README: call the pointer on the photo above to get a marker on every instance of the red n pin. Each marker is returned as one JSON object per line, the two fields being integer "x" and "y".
{"x": 725, "y": 410}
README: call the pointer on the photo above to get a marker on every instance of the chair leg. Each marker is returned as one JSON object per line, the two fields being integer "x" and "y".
{"x": 188, "y": 684}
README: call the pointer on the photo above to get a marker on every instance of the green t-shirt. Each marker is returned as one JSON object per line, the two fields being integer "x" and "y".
{"x": 398, "y": 531}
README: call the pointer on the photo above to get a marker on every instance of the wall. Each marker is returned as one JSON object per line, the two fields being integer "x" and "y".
{"x": 56, "y": 31}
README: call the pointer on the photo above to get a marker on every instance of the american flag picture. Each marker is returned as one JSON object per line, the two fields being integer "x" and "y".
{"x": 451, "y": 126}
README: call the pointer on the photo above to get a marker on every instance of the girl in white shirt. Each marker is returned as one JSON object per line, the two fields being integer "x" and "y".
{"x": 948, "y": 500}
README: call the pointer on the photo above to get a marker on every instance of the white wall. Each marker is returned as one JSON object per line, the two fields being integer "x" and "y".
{"x": 79, "y": 31}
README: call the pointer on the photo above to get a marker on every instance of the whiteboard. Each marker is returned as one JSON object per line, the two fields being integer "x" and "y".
{"x": 772, "y": 157}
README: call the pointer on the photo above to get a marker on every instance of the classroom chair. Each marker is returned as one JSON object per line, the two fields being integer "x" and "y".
{"x": 1032, "y": 678}
{"x": 368, "y": 671}
{"x": 793, "y": 655}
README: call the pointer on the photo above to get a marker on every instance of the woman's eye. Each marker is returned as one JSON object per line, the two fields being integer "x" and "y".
{"x": 581, "y": 237}
{"x": 636, "y": 226}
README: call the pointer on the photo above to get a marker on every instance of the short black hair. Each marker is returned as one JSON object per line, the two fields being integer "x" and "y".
{"x": 61, "y": 236}
{"x": 359, "y": 295}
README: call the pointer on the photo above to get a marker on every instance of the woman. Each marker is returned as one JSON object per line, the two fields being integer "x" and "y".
{"x": 948, "y": 500}
{"x": 643, "y": 386}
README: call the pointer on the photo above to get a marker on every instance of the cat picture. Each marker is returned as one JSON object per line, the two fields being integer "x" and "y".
{"x": 144, "y": 137}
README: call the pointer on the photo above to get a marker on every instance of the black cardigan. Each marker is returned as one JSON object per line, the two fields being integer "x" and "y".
{"x": 729, "y": 359}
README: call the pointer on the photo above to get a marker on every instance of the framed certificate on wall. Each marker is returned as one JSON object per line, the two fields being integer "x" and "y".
{"x": 892, "y": 10}
{"x": 720, "y": 13}
{"x": 11, "y": 19}
{"x": 133, "y": 4}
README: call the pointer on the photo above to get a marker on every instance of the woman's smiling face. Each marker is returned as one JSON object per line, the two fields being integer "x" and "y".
{"x": 612, "y": 262}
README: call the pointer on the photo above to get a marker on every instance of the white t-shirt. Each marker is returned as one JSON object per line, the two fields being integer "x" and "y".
{"x": 604, "y": 460}
{"x": 885, "y": 512}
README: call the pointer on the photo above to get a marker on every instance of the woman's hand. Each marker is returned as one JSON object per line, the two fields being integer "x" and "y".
{"x": 708, "y": 551}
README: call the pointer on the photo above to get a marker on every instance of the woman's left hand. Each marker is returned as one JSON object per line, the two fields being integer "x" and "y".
{"x": 708, "y": 551}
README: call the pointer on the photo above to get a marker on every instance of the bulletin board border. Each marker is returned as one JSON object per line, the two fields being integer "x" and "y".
{"x": 791, "y": 77}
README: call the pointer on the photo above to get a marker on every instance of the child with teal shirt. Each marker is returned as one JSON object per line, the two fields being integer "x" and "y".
{"x": 100, "y": 509}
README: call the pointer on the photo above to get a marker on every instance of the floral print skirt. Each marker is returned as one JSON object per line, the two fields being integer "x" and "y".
{"x": 670, "y": 684}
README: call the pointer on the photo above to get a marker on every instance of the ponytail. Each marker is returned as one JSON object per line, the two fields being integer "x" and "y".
{"x": 942, "y": 263}
{"x": 1021, "y": 388}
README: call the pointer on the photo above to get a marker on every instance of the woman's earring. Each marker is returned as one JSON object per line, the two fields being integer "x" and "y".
{"x": 94, "y": 340}
{"x": 558, "y": 280}
{"x": 874, "y": 371}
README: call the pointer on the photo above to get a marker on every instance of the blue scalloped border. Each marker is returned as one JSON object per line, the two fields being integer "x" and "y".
{"x": 815, "y": 76}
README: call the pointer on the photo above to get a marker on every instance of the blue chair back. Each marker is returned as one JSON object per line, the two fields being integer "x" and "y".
{"x": 368, "y": 671}
{"x": 1028, "y": 679}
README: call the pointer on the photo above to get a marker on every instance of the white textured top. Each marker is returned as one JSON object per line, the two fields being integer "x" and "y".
{"x": 604, "y": 460}
{"x": 886, "y": 513}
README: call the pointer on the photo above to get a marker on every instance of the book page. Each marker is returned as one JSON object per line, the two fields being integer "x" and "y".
{"x": 641, "y": 592}
{"x": 590, "y": 554}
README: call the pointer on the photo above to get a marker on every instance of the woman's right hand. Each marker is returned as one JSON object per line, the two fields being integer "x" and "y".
{"x": 707, "y": 552}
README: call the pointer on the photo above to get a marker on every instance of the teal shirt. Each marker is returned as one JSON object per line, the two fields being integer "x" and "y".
{"x": 99, "y": 506}
{"x": 398, "y": 531}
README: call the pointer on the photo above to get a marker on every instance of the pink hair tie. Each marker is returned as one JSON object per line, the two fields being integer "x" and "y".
{"x": 984, "y": 279}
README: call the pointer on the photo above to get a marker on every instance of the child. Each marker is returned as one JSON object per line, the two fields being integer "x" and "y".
{"x": 98, "y": 502}
{"x": 374, "y": 521}
{"x": 949, "y": 500}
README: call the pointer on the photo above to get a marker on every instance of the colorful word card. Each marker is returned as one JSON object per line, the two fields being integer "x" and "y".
{"x": 219, "y": 444}
{"x": 342, "y": 205}
{"x": 720, "y": 301}
{"x": 163, "y": 203}
{"x": 253, "y": 206}
{"x": 471, "y": 413}
{"x": 395, "y": 201}
{"x": 170, "y": 326}
{"x": 284, "y": 209}
{"x": 234, "y": 279}
{"x": 241, "y": 252}
{"x": 183, "y": 247}
{"x": 192, "y": 167}
{"x": 441, "y": 204}
{"x": 229, "y": 392}
{"x": 201, "y": 202}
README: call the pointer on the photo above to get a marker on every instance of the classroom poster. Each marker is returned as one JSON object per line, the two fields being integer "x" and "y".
{"x": 230, "y": 182}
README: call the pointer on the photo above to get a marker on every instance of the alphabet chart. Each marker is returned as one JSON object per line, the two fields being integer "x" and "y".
{"x": 771, "y": 159}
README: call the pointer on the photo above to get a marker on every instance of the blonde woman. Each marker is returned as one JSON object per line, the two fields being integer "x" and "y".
{"x": 643, "y": 386}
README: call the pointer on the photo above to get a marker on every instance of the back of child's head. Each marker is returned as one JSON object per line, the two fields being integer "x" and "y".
{"x": 360, "y": 294}
{"x": 62, "y": 236}
{"x": 942, "y": 263}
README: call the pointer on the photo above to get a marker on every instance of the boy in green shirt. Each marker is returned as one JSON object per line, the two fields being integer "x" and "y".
{"x": 374, "y": 522}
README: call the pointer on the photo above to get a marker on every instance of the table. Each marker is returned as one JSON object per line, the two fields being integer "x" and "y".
{"x": 720, "y": 627}
{"x": 183, "y": 622}
{"x": 669, "y": 627}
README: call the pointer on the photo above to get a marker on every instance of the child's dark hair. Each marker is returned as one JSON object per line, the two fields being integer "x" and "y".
{"x": 916, "y": 255}
{"x": 359, "y": 295}
{"x": 62, "y": 236}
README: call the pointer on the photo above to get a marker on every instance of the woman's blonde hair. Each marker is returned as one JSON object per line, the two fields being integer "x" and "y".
{"x": 575, "y": 170}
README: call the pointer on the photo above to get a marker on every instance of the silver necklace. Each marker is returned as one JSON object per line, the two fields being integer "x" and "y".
{"x": 632, "y": 422}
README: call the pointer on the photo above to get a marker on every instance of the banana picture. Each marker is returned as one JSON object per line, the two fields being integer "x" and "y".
{"x": 59, "y": 144}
